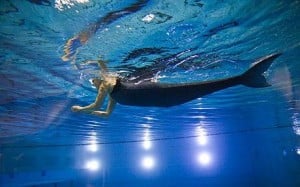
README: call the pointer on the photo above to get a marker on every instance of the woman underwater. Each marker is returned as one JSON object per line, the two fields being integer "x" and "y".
{"x": 166, "y": 95}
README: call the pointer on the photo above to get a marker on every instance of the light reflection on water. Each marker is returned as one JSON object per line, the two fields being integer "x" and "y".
{"x": 202, "y": 138}
{"x": 298, "y": 151}
{"x": 93, "y": 145}
{"x": 147, "y": 144}
{"x": 147, "y": 160}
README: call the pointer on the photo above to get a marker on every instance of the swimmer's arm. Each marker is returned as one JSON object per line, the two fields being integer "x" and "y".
{"x": 110, "y": 106}
{"x": 102, "y": 92}
{"x": 102, "y": 66}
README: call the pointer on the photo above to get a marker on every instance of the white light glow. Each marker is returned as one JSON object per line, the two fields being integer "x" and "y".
{"x": 201, "y": 136}
{"x": 148, "y": 162}
{"x": 296, "y": 119}
{"x": 63, "y": 4}
{"x": 148, "y": 18}
{"x": 149, "y": 118}
{"x": 297, "y": 130}
{"x": 202, "y": 140}
{"x": 147, "y": 144}
{"x": 93, "y": 147}
{"x": 92, "y": 165}
{"x": 298, "y": 151}
{"x": 204, "y": 158}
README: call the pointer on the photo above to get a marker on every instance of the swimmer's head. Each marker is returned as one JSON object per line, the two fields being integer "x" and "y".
{"x": 97, "y": 82}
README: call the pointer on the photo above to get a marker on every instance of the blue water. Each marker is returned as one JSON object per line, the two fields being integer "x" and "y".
{"x": 239, "y": 136}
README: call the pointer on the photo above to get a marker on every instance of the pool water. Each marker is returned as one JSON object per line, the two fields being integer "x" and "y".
{"x": 238, "y": 136}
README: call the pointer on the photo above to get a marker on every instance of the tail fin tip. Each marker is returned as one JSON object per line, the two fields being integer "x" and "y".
{"x": 254, "y": 76}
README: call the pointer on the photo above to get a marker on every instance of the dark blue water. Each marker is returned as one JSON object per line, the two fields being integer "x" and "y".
{"x": 239, "y": 136}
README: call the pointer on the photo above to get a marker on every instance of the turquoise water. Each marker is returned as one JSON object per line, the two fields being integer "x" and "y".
{"x": 239, "y": 136}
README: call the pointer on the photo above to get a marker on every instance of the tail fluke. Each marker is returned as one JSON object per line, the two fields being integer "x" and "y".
{"x": 254, "y": 76}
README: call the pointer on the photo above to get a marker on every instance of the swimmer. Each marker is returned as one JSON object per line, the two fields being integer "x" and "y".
{"x": 105, "y": 86}
{"x": 166, "y": 95}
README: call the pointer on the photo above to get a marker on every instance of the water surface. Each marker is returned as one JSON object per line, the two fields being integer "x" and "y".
{"x": 235, "y": 137}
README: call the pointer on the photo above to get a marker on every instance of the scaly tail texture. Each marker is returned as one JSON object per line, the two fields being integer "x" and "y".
{"x": 254, "y": 76}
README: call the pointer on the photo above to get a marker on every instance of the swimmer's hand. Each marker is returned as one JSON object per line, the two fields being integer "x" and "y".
{"x": 87, "y": 109}
{"x": 76, "y": 108}
{"x": 97, "y": 113}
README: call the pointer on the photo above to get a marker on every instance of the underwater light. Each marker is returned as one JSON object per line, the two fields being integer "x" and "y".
{"x": 148, "y": 162}
{"x": 204, "y": 158}
{"x": 92, "y": 165}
